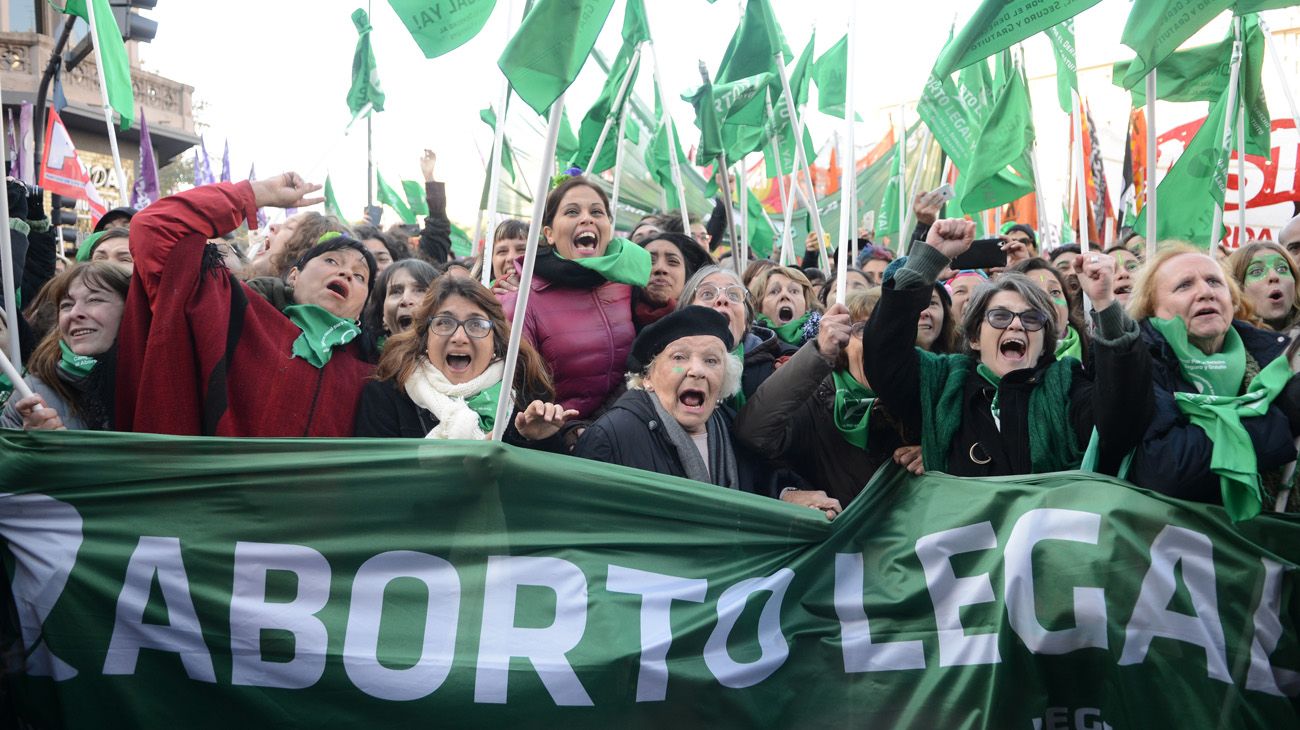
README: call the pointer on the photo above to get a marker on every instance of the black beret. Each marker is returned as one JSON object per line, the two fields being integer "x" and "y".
{"x": 685, "y": 322}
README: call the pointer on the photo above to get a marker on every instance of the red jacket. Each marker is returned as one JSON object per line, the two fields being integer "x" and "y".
{"x": 201, "y": 354}
{"x": 584, "y": 335}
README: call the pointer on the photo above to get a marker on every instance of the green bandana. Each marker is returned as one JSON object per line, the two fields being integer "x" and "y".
{"x": 1260, "y": 265}
{"x": 791, "y": 332}
{"x": 1218, "y": 374}
{"x": 994, "y": 380}
{"x": 853, "y": 402}
{"x": 78, "y": 366}
{"x": 623, "y": 262}
{"x": 1070, "y": 345}
{"x": 1233, "y": 456}
{"x": 321, "y": 333}
{"x": 484, "y": 403}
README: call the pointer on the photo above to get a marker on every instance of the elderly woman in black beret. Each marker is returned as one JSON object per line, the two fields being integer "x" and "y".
{"x": 671, "y": 420}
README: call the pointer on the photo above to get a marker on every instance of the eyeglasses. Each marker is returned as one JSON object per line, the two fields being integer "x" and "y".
{"x": 734, "y": 293}
{"x": 445, "y": 325}
{"x": 1031, "y": 319}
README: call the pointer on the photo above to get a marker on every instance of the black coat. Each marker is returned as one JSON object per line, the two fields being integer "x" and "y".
{"x": 762, "y": 349}
{"x": 630, "y": 434}
{"x": 1118, "y": 406}
{"x": 1174, "y": 457}
{"x": 386, "y": 411}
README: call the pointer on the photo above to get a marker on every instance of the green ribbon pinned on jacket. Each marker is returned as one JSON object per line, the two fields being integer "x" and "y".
{"x": 791, "y": 332}
{"x": 1218, "y": 411}
{"x": 1070, "y": 345}
{"x": 623, "y": 262}
{"x": 322, "y": 331}
{"x": 78, "y": 366}
{"x": 853, "y": 402}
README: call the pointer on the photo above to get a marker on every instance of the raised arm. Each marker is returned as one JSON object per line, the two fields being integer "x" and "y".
{"x": 435, "y": 237}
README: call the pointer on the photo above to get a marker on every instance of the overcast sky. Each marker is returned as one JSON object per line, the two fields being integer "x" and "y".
{"x": 272, "y": 78}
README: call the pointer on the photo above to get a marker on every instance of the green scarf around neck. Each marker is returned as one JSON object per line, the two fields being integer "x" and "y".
{"x": 853, "y": 402}
{"x": 1070, "y": 345}
{"x": 623, "y": 262}
{"x": 1233, "y": 455}
{"x": 484, "y": 403}
{"x": 1052, "y": 443}
{"x": 78, "y": 366}
{"x": 791, "y": 332}
{"x": 1216, "y": 374}
{"x": 322, "y": 331}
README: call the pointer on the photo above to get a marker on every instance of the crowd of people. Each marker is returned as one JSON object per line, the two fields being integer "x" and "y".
{"x": 657, "y": 351}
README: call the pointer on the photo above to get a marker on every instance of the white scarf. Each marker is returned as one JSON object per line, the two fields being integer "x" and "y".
{"x": 431, "y": 390}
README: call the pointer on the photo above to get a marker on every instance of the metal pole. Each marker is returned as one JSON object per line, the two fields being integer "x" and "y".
{"x": 1241, "y": 171}
{"x": 620, "y": 100}
{"x": 903, "y": 233}
{"x": 802, "y": 160}
{"x": 1225, "y": 140}
{"x": 505, "y": 404}
{"x": 740, "y": 252}
{"x": 674, "y": 164}
{"x": 618, "y": 169}
{"x": 848, "y": 224}
{"x": 494, "y": 169}
{"x": 108, "y": 109}
{"x": 1150, "y": 204}
{"x": 722, "y": 179}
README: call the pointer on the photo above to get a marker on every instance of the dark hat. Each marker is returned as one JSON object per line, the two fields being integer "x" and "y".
{"x": 102, "y": 223}
{"x": 685, "y": 322}
{"x": 694, "y": 257}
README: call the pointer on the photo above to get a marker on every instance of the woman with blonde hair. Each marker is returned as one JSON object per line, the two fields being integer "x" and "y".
{"x": 441, "y": 377}
{"x": 786, "y": 303}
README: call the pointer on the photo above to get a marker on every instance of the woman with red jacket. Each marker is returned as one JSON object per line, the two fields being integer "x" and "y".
{"x": 580, "y": 308}
{"x": 202, "y": 354}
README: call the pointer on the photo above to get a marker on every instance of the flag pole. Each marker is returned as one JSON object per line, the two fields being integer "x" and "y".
{"x": 618, "y": 167}
{"x": 620, "y": 100}
{"x": 1225, "y": 140}
{"x": 1080, "y": 178}
{"x": 903, "y": 233}
{"x": 801, "y": 159}
{"x": 674, "y": 164}
{"x": 847, "y": 170}
{"x": 1150, "y": 203}
{"x": 108, "y": 109}
{"x": 505, "y": 404}
{"x": 7, "y": 270}
{"x": 742, "y": 201}
{"x": 787, "y": 245}
{"x": 1241, "y": 169}
{"x": 494, "y": 169}
{"x": 1283, "y": 79}
{"x": 720, "y": 164}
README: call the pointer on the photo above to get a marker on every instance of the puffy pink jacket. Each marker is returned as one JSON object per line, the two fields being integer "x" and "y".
{"x": 584, "y": 335}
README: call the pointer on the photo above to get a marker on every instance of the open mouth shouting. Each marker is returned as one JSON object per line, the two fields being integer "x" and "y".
{"x": 586, "y": 243}
{"x": 1123, "y": 290}
{"x": 404, "y": 321}
{"x": 1014, "y": 348}
{"x": 339, "y": 287}
{"x": 692, "y": 400}
{"x": 785, "y": 314}
{"x": 459, "y": 362}
{"x": 1205, "y": 312}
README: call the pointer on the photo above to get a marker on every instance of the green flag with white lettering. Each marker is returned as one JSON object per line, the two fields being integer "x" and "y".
{"x": 1156, "y": 28}
{"x": 1193, "y": 188}
{"x": 1002, "y": 149}
{"x": 116, "y": 71}
{"x": 550, "y": 47}
{"x": 888, "y": 226}
{"x": 385, "y": 582}
{"x": 1067, "y": 80}
{"x": 365, "y": 93}
{"x": 390, "y": 197}
{"x": 999, "y": 24}
{"x": 730, "y": 117}
{"x": 439, "y": 26}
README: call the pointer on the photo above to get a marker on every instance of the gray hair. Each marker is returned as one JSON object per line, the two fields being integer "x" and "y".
{"x": 735, "y": 367}
{"x": 688, "y": 291}
{"x": 973, "y": 318}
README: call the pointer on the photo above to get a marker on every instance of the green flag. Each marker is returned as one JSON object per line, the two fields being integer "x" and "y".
{"x": 1202, "y": 73}
{"x": 116, "y": 69}
{"x": 1003, "y": 142}
{"x": 566, "y": 145}
{"x": 332, "y": 206}
{"x": 999, "y": 24}
{"x": 761, "y": 233}
{"x": 635, "y": 26}
{"x": 1193, "y": 187}
{"x": 392, "y": 199}
{"x": 365, "y": 90}
{"x": 415, "y": 198}
{"x": 779, "y": 126}
{"x": 657, "y": 159}
{"x": 461, "y": 245}
{"x": 605, "y": 108}
{"x": 550, "y": 47}
{"x": 439, "y": 27}
{"x": 801, "y": 74}
{"x": 730, "y": 117}
{"x": 1067, "y": 79}
{"x": 831, "y": 74}
{"x": 888, "y": 226}
{"x": 489, "y": 118}
{"x": 1156, "y": 28}
{"x": 753, "y": 48}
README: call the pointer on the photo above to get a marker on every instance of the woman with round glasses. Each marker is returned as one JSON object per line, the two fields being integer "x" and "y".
{"x": 758, "y": 347}
{"x": 1226, "y": 405}
{"x": 441, "y": 377}
{"x": 1006, "y": 406}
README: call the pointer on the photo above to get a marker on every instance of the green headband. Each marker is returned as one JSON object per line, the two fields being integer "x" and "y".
{"x": 87, "y": 246}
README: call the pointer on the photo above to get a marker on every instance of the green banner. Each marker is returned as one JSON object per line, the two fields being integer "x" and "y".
{"x": 166, "y": 582}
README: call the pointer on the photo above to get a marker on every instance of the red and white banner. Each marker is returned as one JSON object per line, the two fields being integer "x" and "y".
{"x": 1272, "y": 184}
{"x": 62, "y": 172}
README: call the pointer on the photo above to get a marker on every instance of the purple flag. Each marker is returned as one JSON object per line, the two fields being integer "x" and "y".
{"x": 202, "y": 166}
{"x": 146, "y": 177}
{"x": 26, "y": 143}
{"x": 261, "y": 212}
{"x": 225, "y": 163}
